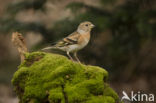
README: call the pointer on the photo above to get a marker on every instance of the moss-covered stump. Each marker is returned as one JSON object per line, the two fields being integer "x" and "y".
{"x": 51, "y": 78}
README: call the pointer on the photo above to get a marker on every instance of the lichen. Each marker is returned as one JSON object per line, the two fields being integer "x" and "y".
{"x": 52, "y": 78}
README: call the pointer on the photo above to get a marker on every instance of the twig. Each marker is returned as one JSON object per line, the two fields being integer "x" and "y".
{"x": 19, "y": 42}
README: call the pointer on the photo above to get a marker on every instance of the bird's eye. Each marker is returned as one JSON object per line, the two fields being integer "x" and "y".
{"x": 86, "y": 24}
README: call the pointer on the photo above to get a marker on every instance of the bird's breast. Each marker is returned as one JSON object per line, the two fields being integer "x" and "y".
{"x": 83, "y": 40}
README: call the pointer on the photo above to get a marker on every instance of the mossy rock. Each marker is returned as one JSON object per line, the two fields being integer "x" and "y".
{"x": 52, "y": 78}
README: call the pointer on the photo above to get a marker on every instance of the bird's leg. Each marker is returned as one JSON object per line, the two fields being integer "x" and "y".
{"x": 75, "y": 55}
{"x": 69, "y": 56}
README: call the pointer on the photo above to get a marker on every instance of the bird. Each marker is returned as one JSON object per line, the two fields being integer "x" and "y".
{"x": 75, "y": 41}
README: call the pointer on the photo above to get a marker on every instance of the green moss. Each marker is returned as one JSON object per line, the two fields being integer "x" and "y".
{"x": 52, "y": 78}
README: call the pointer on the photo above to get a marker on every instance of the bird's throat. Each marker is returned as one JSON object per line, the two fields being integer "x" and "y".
{"x": 82, "y": 31}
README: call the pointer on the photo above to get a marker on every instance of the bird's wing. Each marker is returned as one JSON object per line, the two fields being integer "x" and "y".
{"x": 69, "y": 40}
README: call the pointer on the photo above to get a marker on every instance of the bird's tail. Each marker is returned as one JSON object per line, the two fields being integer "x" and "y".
{"x": 50, "y": 47}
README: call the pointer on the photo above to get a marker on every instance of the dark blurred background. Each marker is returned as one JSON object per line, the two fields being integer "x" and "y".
{"x": 123, "y": 42}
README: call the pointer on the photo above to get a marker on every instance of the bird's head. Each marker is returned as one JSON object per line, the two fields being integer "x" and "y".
{"x": 85, "y": 27}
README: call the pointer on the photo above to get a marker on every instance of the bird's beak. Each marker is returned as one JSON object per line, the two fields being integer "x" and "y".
{"x": 92, "y": 25}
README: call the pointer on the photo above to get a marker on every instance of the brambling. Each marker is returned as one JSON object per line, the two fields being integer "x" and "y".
{"x": 75, "y": 41}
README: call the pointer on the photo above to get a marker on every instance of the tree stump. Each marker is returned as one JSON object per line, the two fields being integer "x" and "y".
{"x": 52, "y": 78}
